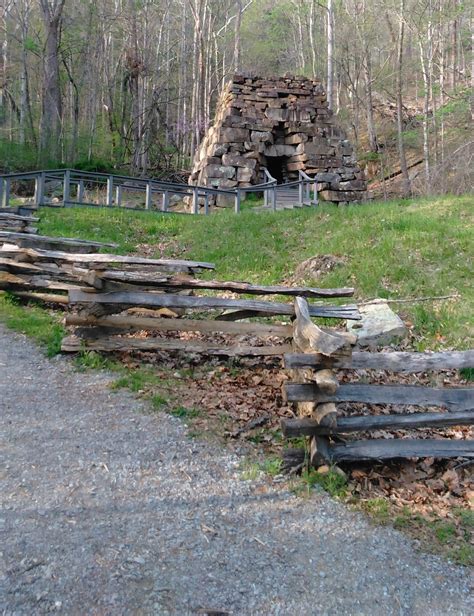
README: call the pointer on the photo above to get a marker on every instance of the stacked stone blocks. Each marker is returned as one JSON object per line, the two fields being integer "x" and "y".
{"x": 257, "y": 119}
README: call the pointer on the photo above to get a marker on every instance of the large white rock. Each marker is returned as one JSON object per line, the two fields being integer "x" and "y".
{"x": 379, "y": 325}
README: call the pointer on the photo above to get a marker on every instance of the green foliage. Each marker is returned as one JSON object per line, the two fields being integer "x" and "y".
{"x": 40, "y": 324}
{"x": 377, "y": 508}
{"x": 250, "y": 470}
{"x": 184, "y": 412}
{"x": 158, "y": 402}
{"x": 137, "y": 379}
{"x": 97, "y": 165}
{"x": 92, "y": 360}
{"x": 332, "y": 481}
{"x": 272, "y": 466}
{"x": 467, "y": 373}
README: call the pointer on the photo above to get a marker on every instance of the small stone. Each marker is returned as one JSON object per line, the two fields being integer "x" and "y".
{"x": 379, "y": 325}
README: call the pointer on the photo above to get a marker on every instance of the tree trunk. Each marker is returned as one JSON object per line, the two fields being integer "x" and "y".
{"x": 406, "y": 188}
{"x": 330, "y": 59}
{"x": 51, "y": 111}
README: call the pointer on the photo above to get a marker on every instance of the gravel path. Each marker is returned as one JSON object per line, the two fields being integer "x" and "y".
{"x": 108, "y": 510}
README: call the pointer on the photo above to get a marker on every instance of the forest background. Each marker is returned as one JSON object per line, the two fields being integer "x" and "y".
{"x": 132, "y": 84}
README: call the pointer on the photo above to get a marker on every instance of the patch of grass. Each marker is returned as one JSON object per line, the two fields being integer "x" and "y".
{"x": 91, "y": 360}
{"x": 137, "y": 379}
{"x": 377, "y": 508}
{"x": 449, "y": 537}
{"x": 250, "y": 470}
{"x": 272, "y": 466}
{"x": 42, "y": 325}
{"x": 333, "y": 482}
{"x": 431, "y": 238}
{"x": 158, "y": 402}
{"x": 467, "y": 373}
{"x": 184, "y": 412}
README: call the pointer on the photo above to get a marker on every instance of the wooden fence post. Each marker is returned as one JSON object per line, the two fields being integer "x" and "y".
{"x": 195, "y": 200}
{"x": 165, "y": 201}
{"x": 5, "y": 192}
{"x": 148, "y": 196}
{"x": 110, "y": 190}
{"x": 67, "y": 186}
{"x": 237, "y": 201}
{"x": 80, "y": 191}
{"x": 118, "y": 196}
{"x": 309, "y": 338}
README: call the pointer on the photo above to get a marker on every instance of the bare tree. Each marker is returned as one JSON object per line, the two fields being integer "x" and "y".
{"x": 51, "y": 110}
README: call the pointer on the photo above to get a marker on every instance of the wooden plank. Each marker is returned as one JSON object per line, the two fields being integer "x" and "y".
{"x": 458, "y": 397}
{"x": 151, "y": 279}
{"x": 380, "y": 449}
{"x": 183, "y": 325}
{"x": 309, "y": 337}
{"x": 395, "y": 361}
{"x": 11, "y": 216}
{"x": 99, "y": 258}
{"x": 48, "y": 298}
{"x": 73, "y": 344}
{"x": 10, "y": 265}
{"x": 45, "y": 239}
{"x": 12, "y": 282}
{"x": 305, "y": 426}
{"x": 170, "y": 300}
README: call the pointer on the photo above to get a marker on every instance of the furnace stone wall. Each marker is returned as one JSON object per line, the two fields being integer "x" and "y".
{"x": 277, "y": 122}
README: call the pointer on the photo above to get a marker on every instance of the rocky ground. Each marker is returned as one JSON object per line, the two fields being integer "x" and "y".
{"x": 107, "y": 508}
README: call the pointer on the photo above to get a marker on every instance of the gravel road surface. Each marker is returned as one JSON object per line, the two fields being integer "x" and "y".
{"x": 109, "y": 509}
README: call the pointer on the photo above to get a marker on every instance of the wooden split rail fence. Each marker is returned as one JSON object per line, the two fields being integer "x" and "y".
{"x": 10, "y": 222}
{"x": 316, "y": 391}
{"x": 128, "y": 303}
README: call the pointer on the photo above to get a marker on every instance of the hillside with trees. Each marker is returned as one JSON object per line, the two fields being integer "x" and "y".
{"x": 133, "y": 83}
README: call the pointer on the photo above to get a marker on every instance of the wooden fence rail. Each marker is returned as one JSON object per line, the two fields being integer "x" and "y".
{"x": 317, "y": 391}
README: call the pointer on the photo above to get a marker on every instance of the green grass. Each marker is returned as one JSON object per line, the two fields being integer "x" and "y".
{"x": 396, "y": 250}
{"x": 332, "y": 481}
{"x": 41, "y": 325}
{"x": 450, "y": 537}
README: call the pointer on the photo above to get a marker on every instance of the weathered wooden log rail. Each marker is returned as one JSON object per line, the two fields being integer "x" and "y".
{"x": 15, "y": 223}
{"x": 107, "y": 290}
{"x": 108, "y": 298}
{"x": 317, "y": 391}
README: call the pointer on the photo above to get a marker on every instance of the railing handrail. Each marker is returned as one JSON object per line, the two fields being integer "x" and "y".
{"x": 270, "y": 187}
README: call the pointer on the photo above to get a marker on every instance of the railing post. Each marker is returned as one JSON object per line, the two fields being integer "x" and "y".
{"x": 148, "y": 194}
{"x": 67, "y": 186}
{"x": 110, "y": 190}
{"x": 195, "y": 200}
{"x": 315, "y": 193}
{"x": 80, "y": 191}
{"x": 265, "y": 197}
{"x": 206, "y": 203}
{"x": 237, "y": 201}
{"x": 1, "y": 191}
{"x": 118, "y": 195}
{"x": 6, "y": 193}
{"x": 274, "y": 198}
{"x": 165, "y": 201}
{"x": 300, "y": 191}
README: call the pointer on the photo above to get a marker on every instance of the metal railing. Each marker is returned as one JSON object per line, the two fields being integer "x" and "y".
{"x": 72, "y": 185}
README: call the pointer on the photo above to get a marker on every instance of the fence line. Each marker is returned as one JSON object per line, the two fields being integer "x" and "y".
{"x": 74, "y": 184}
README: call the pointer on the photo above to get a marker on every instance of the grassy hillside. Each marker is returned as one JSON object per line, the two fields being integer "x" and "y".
{"x": 396, "y": 250}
